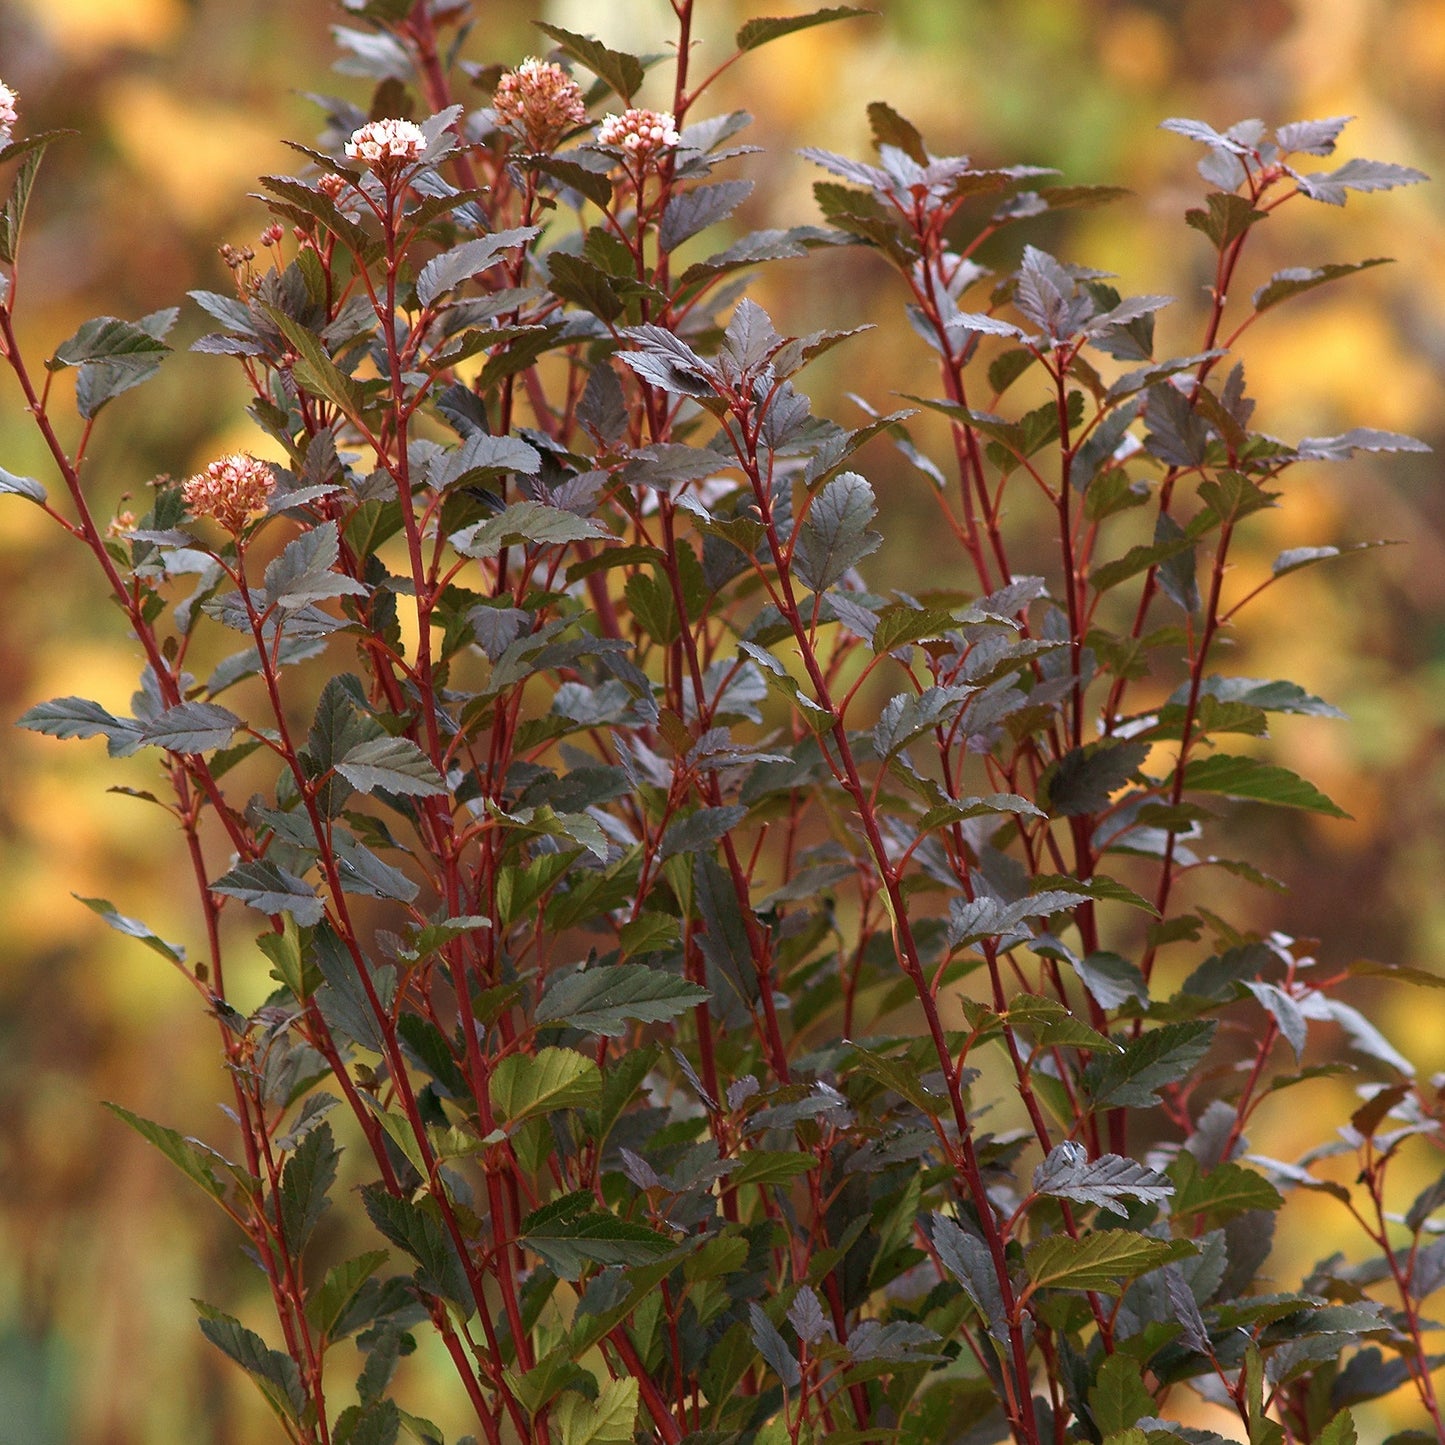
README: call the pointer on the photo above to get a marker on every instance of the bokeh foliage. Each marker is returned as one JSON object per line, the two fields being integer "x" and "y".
{"x": 179, "y": 106}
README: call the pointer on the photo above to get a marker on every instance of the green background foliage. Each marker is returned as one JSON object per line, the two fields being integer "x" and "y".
{"x": 180, "y": 106}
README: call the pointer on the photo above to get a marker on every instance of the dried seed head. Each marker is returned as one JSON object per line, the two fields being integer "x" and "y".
{"x": 642, "y": 134}
{"x": 8, "y": 113}
{"x": 539, "y": 102}
{"x": 229, "y": 490}
{"x": 385, "y": 145}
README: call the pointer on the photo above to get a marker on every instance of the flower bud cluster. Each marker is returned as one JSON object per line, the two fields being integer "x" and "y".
{"x": 643, "y": 134}
{"x": 8, "y": 113}
{"x": 230, "y": 490}
{"x": 539, "y": 102}
{"x": 385, "y": 144}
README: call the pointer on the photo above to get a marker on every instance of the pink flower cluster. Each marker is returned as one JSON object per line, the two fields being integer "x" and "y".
{"x": 539, "y": 102}
{"x": 384, "y": 144}
{"x": 229, "y": 490}
{"x": 8, "y": 113}
{"x": 643, "y": 134}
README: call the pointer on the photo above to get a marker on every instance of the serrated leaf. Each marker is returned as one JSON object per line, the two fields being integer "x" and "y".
{"x": 666, "y": 361}
{"x": 191, "y": 727}
{"x": 304, "y": 572}
{"x": 971, "y": 920}
{"x": 610, "y": 1420}
{"x": 1118, "y": 1397}
{"x": 1360, "y": 438}
{"x": 1084, "y": 779}
{"x": 967, "y": 1259}
{"x": 26, "y": 487}
{"x": 271, "y": 889}
{"x": 123, "y": 344}
{"x": 694, "y": 210}
{"x": 396, "y": 764}
{"x": 1311, "y": 137}
{"x": 623, "y": 73}
{"x": 327, "y": 1303}
{"x": 482, "y": 457}
{"x": 276, "y": 1374}
{"x": 1148, "y": 1063}
{"x": 570, "y": 1241}
{"x": 527, "y": 524}
{"x": 79, "y": 717}
{"x": 305, "y": 1183}
{"x": 605, "y": 1000}
{"x": 834, "y": 536}
{"x": 418, "y": 1229}
{"x": 315, "y": 370}
{"x": 446, "y": 272}
{"x": 1240, "y": 777}
{"x": 1069, "y": 1173}
{"x": 1294, "y": 280}
{"x": 760, "y": 31}
{"x": 1332, "y": 187}
{"x": 133, "y": 928}
{"x": 774, "y": 1348}
{"x": 1102, "y": 1260}
{"x": 523, "y": 1085}
{"x": 197, "y": 1162}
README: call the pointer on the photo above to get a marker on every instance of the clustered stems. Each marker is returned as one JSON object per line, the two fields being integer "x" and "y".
{"x": 652, "y": 952}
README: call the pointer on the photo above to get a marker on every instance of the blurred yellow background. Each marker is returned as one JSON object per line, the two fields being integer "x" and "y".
{"x": 180, "y": 104}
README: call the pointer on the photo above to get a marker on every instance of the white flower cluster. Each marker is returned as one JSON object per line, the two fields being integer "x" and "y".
{"x": 641, "y": 133}
{"x": 8, "y": 113}
{"x": 230, "y": 490}
{"x": 540, "y": 102}
{"x": 384, "y": 143}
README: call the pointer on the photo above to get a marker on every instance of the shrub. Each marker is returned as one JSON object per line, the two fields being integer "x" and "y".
{"x": 768, "y": 1008}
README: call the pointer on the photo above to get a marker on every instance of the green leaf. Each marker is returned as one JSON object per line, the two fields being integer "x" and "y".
{"x": 524, "y": 1085}
{"x": 760, "y": 31}
{"x": 1227, "y": 1190}
{"x": 1227, "y": 218}
{"x": 305, "y": 570}
{"x": 133, "y": 928}
{"x": 446, "y": 272}
{"x": 611, "y": 1420}
{"x": 1240, "y": 777}
{"x": 1294, "y": 280}
{"x": 527, "y": 524}
{"x": 902, "y": 1078}
{"x": 305, "y": 1181}
{"x": 1084, "y": 779}
{"x": 315, "y": 370}
{"x": 622, "y": 72}
{"x": 1102, "y": 1260}
{"x": 1293, "y": 558}
{"x": 569, "y": 1236}
{"x": 125, "y": 344}
{"x": 28, "y": 151}
{"x": 277, "y": 1374}
{"x": 1155, "y": 1059}
{"x": 396, "y": 764}
{"x": 418, "y": 1229}
{"x": 197, "y": 1162}
{"x": 604, "y": 1000}
{"x": 271, "y": 889}
{"x": 327, "y": 1303}
{"x": 191, "y": 727}
{"x": 1118, "y": 1396}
